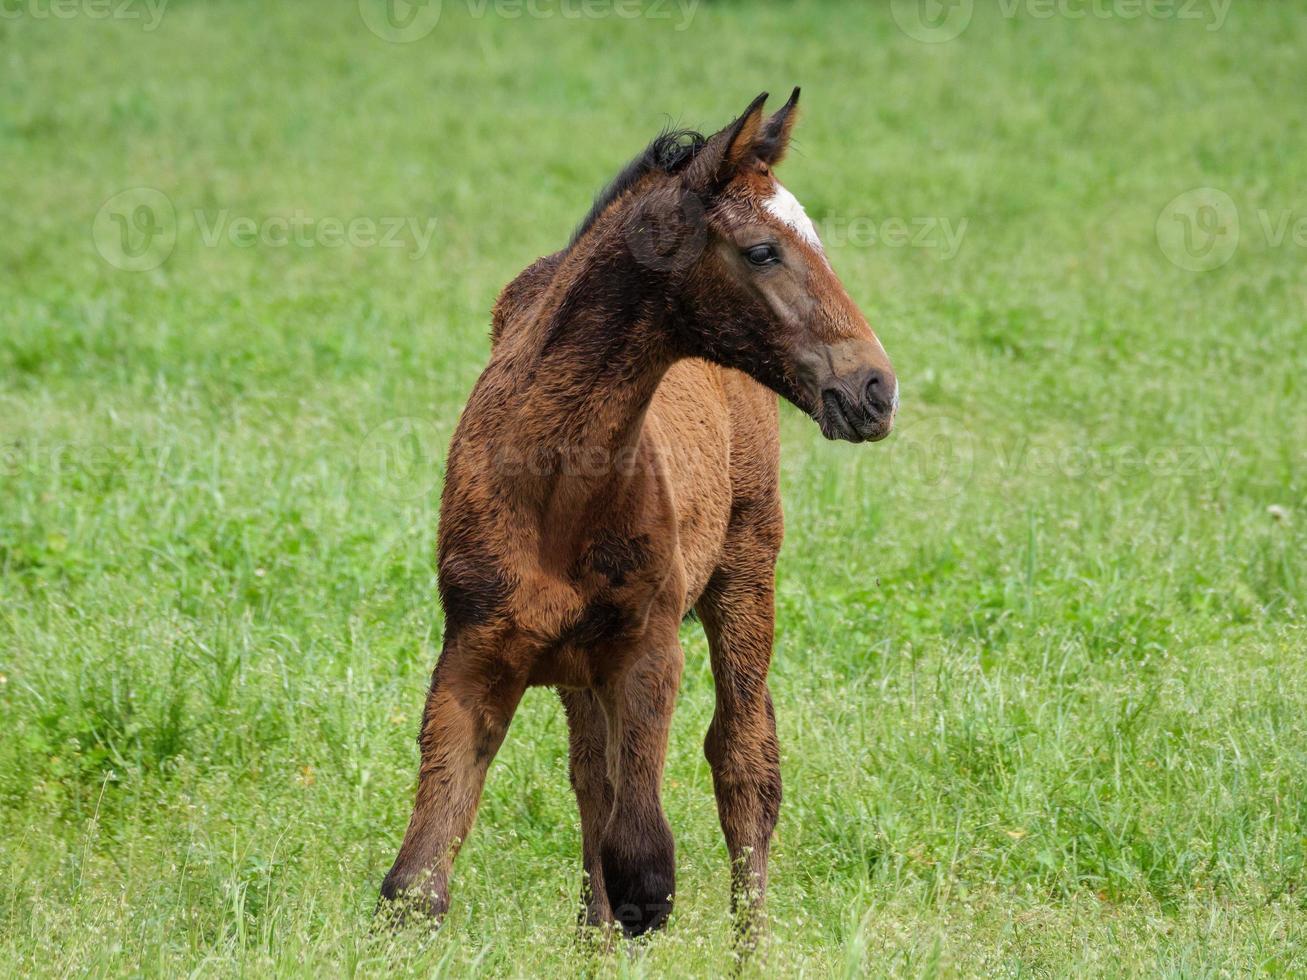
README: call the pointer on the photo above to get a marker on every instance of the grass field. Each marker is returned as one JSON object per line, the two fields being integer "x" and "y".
{"x": 1040, "y": 657}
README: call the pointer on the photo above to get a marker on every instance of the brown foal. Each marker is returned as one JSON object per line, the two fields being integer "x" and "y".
{"x": 617, "y": 467}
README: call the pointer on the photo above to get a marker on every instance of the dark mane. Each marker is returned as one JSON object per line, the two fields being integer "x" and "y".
{"x": 669, "y": 153}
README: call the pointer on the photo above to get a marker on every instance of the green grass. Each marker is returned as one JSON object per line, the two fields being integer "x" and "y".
{"x": 1040, "y": 657}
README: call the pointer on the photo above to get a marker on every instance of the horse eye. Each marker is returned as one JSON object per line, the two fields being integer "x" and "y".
{"x": 762, "y": 255}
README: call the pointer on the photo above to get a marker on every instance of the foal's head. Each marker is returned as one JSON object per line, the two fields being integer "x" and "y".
{"x": 748, "y": 280}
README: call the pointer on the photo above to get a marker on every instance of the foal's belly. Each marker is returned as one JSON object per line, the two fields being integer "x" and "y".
{"x": 690, "y": 422}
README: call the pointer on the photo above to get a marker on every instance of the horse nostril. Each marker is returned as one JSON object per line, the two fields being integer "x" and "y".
{"x": 876, "y": 392}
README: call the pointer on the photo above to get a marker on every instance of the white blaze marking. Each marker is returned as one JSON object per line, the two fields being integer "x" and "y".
{"x": 786, "y": 207}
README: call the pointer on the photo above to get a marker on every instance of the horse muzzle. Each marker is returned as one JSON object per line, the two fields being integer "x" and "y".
{"x": 860, "y": 409}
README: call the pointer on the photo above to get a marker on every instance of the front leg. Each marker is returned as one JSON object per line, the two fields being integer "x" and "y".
{"x": 587, "y": 770}
{"x": 741, "y": 746}
{"x": 637, "y": 852}
{"x": 474, "y": 693}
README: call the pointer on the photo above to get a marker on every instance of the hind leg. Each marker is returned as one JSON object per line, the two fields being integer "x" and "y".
{"x": 741, "y": 747}
{"x": 472, "y": 699}
{"x": 637, "y": 852}
{"x": 588, "y": 772}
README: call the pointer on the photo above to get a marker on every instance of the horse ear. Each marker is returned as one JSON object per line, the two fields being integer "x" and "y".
{"x": 775, "y": 137}
{"x": 726, "y": 152}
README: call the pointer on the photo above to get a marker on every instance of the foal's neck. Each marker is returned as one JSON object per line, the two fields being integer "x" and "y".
{"x": 586, "y": 369}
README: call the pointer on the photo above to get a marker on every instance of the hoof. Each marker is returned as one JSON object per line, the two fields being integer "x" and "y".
{"x": 640, "y": 885}
{"x": 593, "y": 911}
{"x": 404, "y": 902}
